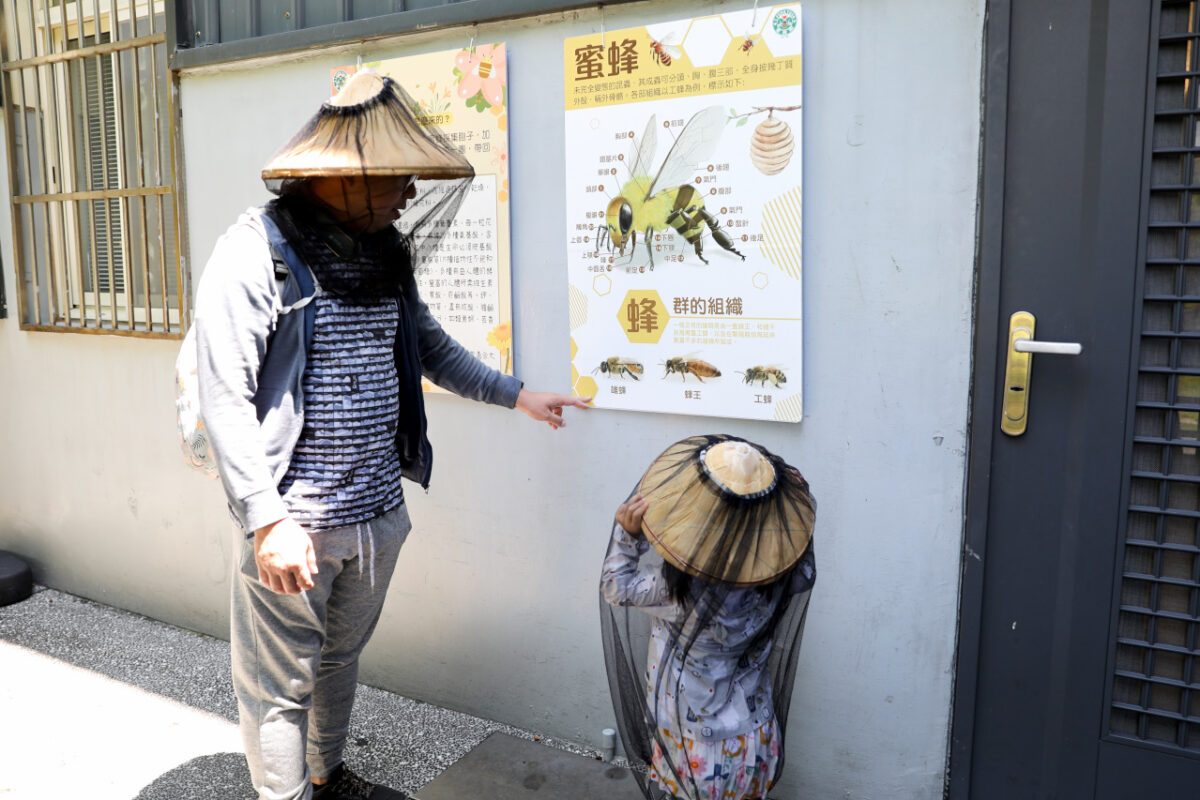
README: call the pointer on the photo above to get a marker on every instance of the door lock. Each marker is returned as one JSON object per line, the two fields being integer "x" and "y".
{"x": 1018, "y": 369}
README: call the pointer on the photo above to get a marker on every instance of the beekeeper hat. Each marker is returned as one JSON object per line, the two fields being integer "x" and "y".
{"x": 368, "y": 129}
{"x": 727, "y": 510}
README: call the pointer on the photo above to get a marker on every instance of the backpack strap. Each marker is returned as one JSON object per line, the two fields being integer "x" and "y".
{"x": 281, "y": 267}
{"x": 286, "y": 261}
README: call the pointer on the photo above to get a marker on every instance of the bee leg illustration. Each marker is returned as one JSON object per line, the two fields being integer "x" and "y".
{"x": 649, "y": 247}
{"x": 719, "y": 236}
{"x": 688, "y": 228}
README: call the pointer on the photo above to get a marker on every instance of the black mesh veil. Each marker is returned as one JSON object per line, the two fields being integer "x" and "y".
{"x": 381, "y": 136}
{"x": 430, "y": 215}
{"x": 698, "y": 652}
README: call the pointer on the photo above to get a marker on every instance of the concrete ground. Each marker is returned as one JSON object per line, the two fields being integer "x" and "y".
{"x": 108, "y": 705}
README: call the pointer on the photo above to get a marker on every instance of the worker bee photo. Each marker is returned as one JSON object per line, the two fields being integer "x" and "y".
{"x": 668, "y": 200}
{"x": 749, "y": 42}
{"x": 620, "y": 367}
{"x": 763, "y": 374}
{"x": 684, "y": 366}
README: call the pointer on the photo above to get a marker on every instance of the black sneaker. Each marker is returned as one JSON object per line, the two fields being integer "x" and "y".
{"x": 345, "y": 785}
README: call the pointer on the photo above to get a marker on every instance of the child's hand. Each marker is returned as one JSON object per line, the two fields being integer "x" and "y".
{"x": 630, "y": 513}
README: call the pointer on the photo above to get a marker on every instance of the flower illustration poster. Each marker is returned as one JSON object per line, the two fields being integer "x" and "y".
{"x": 683, "y": 207}
{"x": 463, "y": 93}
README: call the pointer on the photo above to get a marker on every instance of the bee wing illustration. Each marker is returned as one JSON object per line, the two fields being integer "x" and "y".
{"x": 671, "y": 50}
{"x": 695, "y": 144}
{"x": 643, "y": 150}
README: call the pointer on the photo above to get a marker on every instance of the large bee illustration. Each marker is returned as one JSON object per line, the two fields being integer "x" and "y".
{"x": 666, "y": 49}
{"x": 763, "y": 374}
{"x": 621, "y": 366}
{"x": 701, "y": 369}
{"x": 668, "y": 199}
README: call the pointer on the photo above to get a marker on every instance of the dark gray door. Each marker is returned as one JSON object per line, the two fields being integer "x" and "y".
{"x": 1079, "y": 657}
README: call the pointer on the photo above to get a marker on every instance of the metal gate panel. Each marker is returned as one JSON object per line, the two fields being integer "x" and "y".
{"x": 1153, "y": 693}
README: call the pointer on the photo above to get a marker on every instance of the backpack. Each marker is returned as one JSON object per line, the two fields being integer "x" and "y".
{"x": 193, "y": 437}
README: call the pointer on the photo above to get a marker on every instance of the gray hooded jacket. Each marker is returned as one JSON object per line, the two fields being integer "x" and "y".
{"x": 251, "y": 352}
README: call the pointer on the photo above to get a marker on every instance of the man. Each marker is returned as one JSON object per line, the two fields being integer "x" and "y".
{"x": 311, "y": 344}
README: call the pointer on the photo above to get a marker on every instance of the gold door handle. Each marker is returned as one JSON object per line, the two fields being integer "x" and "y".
{"x": 1018, "y": 369}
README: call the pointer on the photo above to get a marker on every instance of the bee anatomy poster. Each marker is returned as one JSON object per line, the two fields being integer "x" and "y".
{"x": 683, "y": 176}
{"x": 467, "y": 282}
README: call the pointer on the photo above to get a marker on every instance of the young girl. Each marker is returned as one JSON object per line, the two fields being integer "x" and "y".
{"x": 714, "y": 546}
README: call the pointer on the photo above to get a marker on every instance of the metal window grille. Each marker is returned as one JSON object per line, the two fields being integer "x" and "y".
{"x": 91, "y": 166}
{"x": 1155, "y": 694}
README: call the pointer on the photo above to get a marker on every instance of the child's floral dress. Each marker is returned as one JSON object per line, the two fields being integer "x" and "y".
{"x": 741, "y": 766}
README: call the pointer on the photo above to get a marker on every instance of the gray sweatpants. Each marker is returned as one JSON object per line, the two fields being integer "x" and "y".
{"x": 295, "y": 657}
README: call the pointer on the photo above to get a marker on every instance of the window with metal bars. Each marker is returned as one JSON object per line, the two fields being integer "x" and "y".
{"x": 1156, "y": 686}
{"x": 91, "y": 166}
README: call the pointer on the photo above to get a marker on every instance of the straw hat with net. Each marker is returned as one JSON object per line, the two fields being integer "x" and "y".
{"x": 366, "y": 129}
{"x": 369, "y": 130}
{"x": 726, "y": 511}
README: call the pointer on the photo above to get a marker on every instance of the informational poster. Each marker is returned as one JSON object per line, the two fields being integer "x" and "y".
{"x": 467, "y": 284}
{"x": 683, "y": 202}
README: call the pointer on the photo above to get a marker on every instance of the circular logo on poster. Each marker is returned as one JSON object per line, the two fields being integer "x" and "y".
{"x": 784, "y": 21}
{"x": 339, "y": 79}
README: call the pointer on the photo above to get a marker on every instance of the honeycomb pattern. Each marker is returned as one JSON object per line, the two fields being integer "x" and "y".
{"x": 707, "y": 42}
{"x": 585, "y": 387}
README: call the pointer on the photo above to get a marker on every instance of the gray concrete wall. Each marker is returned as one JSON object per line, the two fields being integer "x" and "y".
{"x": 493, "y": 609}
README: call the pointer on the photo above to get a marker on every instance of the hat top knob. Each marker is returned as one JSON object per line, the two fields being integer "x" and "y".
{"x": 739, "y": 468}
{"x": 742, "y": 463}
{"x": 362, "y": 86}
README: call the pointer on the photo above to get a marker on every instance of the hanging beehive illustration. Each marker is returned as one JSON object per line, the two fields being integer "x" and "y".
{"x": 772, "y": 145}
